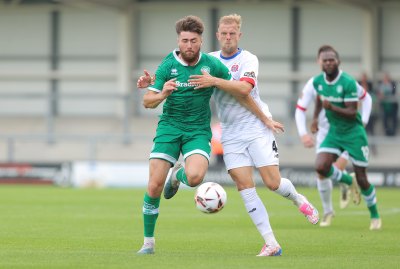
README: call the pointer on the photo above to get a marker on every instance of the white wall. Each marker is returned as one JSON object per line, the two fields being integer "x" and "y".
{"x": 24, "y": 46}
{"x": 391, "y": 39}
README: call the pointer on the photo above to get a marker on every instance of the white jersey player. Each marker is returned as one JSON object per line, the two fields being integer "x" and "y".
{"x": 324, "y": 185}
{"x": 239, "y": 125}
{"x": 247, "y": 141}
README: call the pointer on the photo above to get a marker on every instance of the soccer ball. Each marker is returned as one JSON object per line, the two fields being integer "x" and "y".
{"x": 210, "y": 197}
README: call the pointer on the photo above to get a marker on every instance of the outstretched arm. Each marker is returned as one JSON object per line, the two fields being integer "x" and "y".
{"x": 152, "y": 99}
{"x": 317, "y": 110}
{"x": 240, "y": 90}
{"x": 249, "y": 103}
{"x": 233, "y": 87}
{"x": 306, "y": 138}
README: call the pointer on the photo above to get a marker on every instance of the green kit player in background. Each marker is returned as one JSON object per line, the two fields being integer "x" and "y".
{"x": 184, "y": 126}
{"x": 337, "y": 94}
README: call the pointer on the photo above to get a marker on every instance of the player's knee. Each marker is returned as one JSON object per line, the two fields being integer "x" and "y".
{"x": 154, "y": 189}
{"x": 322, "y": 169}
{"x": 194, "y": 178}
{"x": 363, "y": 182}
{"x": 272, "y": 185}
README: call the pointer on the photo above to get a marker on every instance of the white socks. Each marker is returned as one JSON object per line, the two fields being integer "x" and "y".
{"x": 287, "y": 190}
{"x": 325, "y": 187}
{"x": 258, "y": 214}
{"x": 149, "y": 241}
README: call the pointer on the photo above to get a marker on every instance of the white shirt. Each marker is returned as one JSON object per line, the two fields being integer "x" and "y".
{"x": 238, "y": 123}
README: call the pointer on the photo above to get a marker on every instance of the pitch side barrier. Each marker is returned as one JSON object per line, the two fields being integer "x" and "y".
{"x": 34, "y": 173}
{"x": 135, "y": 174}
{"x": 305, "y": 176}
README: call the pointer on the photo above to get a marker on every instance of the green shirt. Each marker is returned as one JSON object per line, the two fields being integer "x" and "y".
{"x": 342, "y": 89}
{"x": 187, "y": 108}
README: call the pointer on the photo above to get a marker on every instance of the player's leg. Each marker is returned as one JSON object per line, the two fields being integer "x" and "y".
{"x": 162, "y": 157}
{"x": 285, "y": 188}
{"x": 242, "y": 176}
{"x": 327, "y": 154}
{"x": 344, "y": 190}
{"x": 324, "y": 184}
{"x": 325, "y": 167}
{"x": 264, "y": 154}
{"x": 196, "y": 166}
{"x": 158, "y": 172}
{"x": 240, "y": 167}
{"x": 196, "y": 153}
{"x": 359, "y": 153}
{"x": 368, "y": 192}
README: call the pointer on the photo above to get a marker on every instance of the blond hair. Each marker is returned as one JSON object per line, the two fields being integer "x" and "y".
{"x": 232, "y": 18}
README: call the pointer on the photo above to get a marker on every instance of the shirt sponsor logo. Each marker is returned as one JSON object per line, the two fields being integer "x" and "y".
{"x": 339, "y": 89}
{"x": 320, "y": 88}
{"x": 185, "y": 84}
{"x": 251, "y": 74}
{"x": 332, "y": 98}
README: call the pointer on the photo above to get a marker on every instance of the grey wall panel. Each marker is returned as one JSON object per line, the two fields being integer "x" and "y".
{"x": 32, "y": 102}
{"x": 157, "y": 30}
{"x": 89, "y": 43}
{"x": 89, "y": 33}
{"x": 391, "y": 32}
{"x": 24, "y": 34}
{"x": 92, "y": 104}
{"x": 340, "y": 27}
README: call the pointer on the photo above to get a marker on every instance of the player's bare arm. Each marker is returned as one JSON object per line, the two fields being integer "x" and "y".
{"x": 349, "y": 111}
{"x": 317, "y": 110}
{"x": 233, "y": 87}
{"x": 152, "y": 99}
{"x": 241, "y": 91}
{"x": 249, "y": 103}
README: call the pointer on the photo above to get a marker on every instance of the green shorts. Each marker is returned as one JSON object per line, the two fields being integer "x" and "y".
{"x": 355, "y": 142}
{"x": 171, "y": 140}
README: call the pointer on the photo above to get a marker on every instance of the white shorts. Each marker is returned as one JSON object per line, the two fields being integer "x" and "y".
{"x": 320, "y": 138}
{"x": 258, "y": 152}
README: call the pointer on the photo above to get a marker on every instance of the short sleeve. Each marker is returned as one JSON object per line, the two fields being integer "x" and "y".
{"x": 161, "y": 78}
{"x": 350, "y": 92}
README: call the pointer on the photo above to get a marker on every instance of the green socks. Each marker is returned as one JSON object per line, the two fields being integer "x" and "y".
{"x": 339, "y": 176}
{"x": 150, "y": 214}
{"x": 181, "y": 176}
{"x": 369, "y": 196}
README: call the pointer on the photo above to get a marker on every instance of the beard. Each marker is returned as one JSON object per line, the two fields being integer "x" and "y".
{"x": 190, "y": 57}
{"x": 229, "y": 49}
{"x": 331, "y": 72}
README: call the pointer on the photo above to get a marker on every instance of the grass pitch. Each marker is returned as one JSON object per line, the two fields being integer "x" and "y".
{"x": 50, "y": 227}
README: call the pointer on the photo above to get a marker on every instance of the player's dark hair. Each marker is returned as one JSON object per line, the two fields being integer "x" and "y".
{"x": 326, "y": 48}
{"x": 190, "y": 24}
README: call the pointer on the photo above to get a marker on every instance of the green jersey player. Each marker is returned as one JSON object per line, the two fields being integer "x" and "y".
{"x": 184, "y": 126}
{"x": 337, "y": 94}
